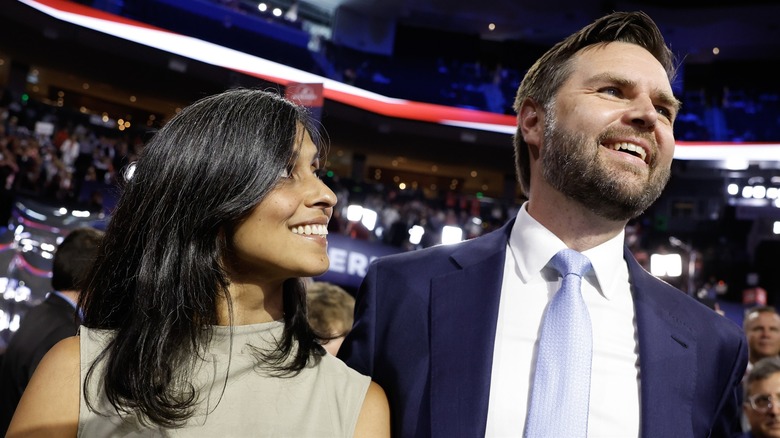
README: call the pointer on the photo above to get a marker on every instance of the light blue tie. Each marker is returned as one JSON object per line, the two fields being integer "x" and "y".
{"x": 560, "y": 393}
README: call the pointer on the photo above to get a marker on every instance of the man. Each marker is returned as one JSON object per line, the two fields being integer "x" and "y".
{"x": 451, "y": 332}
{"x": 44, "y": 325}
{"x": 762, "y": 328}
{"x": 762, "y": 399}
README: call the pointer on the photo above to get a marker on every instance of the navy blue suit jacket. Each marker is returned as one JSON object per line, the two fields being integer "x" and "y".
{"x": 425, "y": 325}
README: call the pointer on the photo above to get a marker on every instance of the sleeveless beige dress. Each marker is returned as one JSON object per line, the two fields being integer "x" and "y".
{"x": 321, "y": 401}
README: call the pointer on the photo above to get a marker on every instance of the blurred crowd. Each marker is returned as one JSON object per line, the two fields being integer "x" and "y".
{"x": 51, "y": 155}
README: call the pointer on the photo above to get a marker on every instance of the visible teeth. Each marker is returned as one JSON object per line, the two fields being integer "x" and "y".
{"x": 310, "y": 229}
{"x": 631, "y": 148}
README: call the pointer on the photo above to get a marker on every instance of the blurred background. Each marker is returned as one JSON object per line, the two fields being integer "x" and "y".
{"x": 416, "y": 98}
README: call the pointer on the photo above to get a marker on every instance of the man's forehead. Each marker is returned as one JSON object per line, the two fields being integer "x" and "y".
{"x": 620, "y": 53}
{"x": 765, "y": 317}
{"x": 769, "y": 385}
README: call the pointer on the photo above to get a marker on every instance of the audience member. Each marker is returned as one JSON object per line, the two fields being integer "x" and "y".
{"x": 331, "y": 310}
{"x": 451, "y": 332}
{"x": 762, "y": 399}
{"x": 69, "y": 151}
{"x": 55, "y": 319}
{"x": 195, "y": 311}
{"x": 762, "y": 329}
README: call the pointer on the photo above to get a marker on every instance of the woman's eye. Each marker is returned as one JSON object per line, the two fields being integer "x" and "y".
{"x": 319, "y": 172}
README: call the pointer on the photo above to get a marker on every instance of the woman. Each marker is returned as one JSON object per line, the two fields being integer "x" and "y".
{"x": 195, "y": 315}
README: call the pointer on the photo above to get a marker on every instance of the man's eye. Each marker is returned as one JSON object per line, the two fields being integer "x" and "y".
{"x": 612, "y": 91}
{"x": 664, "y": 112}
{"x": 763, "y": 402}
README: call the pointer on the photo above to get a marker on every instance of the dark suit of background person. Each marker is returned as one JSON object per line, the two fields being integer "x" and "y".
{"x": 51, "y": 321}
{"x": 426, "y": 321}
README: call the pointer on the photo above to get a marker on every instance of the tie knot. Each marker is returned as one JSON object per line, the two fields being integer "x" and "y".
{"x": 568, "y": 261}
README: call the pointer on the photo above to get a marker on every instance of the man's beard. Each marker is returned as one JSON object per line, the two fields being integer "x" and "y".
{"x": 575, "y": 166}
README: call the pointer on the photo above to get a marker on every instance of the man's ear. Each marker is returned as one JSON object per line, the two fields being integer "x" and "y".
{"x": 531, "y": 123}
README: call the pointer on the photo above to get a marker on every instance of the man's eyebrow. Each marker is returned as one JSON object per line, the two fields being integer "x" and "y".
{"x": 611, "y": 78}
{"x": 664, "y": 97}
{"x": 668, "y": 100}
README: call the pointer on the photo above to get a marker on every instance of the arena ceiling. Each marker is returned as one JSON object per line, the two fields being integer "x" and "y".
{"x": 740, "y": 29}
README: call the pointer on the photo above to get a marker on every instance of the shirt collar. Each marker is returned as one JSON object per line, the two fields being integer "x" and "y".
{"x": 69, "y": 301}
{"x": 533, "y": 246}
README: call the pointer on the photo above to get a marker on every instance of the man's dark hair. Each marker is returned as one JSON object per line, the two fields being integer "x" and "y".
{"x": 763, "y": 369}
{"x": 74, "y": 257}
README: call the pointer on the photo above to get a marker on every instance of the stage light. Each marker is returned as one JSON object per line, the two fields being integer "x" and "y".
{"x": 354, "y": 212}
{"x": 366, "y": 216}
{"x": 451, "y": 234}
{"x": 415, "y": 234}
{"x": 666, "y": 265}
{"x": 369, "y": 219}
{"x": 14, "y": 325}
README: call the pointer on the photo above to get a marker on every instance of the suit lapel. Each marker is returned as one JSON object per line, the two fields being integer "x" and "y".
{"x": 464, "y": 310}
{"x": 667, "y": 358}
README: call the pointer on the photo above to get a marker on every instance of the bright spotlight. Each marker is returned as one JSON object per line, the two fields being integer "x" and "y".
{"x": 415, "y": 234}
{"x": 666, "y": 265}
{"x": 733, "y": 189}
{"x": 369, "y": 219}
{"x": 451, "y": 234}
{"x": 354, "y": 212}
{"x": 14, "y": 324}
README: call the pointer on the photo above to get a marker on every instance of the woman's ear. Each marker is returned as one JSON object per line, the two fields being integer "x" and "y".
{"x": 531, "y": 123}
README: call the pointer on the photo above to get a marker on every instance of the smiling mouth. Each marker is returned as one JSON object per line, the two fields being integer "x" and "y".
{"x": 310, "y": 230}
{"x": 630, "y": 149}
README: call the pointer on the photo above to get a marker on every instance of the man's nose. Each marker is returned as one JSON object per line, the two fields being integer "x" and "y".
{"x": 643, "y": 113}
{"x": 774, "y": 411}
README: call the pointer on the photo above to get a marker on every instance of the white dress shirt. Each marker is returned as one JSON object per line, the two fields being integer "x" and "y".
{"x": 528, "y": 286}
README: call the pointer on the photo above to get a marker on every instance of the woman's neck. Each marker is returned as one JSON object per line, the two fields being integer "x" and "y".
{"x": 251, "y": 304}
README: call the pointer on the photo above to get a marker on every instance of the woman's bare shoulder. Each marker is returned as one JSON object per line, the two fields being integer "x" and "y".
{"x": 54, "y": 389}
{"x": 374, "y": 418}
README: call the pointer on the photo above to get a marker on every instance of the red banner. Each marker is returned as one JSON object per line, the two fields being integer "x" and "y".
{"x": 308, "y": 95}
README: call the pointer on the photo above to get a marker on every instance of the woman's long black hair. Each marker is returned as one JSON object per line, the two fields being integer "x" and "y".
{"x": 158, "y": 276}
